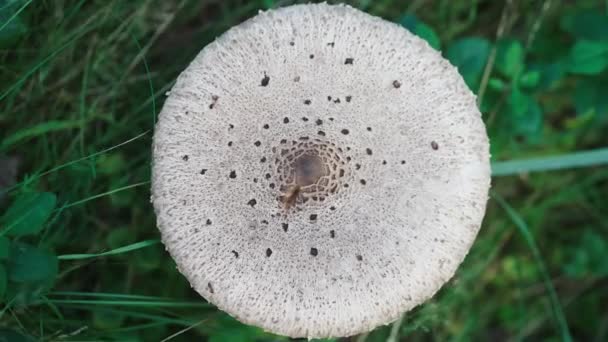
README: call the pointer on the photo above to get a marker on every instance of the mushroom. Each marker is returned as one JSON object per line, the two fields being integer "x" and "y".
{"x": 318, "y": 171}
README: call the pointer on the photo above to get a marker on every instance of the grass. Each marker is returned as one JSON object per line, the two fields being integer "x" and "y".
{"x": 81, "y": 82}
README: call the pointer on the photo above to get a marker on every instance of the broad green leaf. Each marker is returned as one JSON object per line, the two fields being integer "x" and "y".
{"x": 496, "y": 84}
{"x": 509, "y": 57}
{"x": 530, "y": 79}
{"x": 3, "y": 281}
{"x": 589, "y": 24}
{"x": 7, "y": 335}
{"x": 550, "y": 74}
{"x": 28, "y": 264}
{"x": 4, "y": 248}
{"x": 588, "y": 57}
{"x": 27, "y": 215}
{"x": 422, "y": 30}
{"x": 525, "y": 114}
{"x": 470, "y": 56}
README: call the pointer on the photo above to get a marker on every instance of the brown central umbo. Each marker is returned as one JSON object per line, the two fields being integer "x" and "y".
{"x": 309, "y": 169}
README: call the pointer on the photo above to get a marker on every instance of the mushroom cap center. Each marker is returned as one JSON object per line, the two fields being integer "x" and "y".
{"x": 308, "y": 169}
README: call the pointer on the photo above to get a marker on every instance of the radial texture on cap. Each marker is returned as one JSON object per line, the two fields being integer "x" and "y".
{"x": 318, "y": 171}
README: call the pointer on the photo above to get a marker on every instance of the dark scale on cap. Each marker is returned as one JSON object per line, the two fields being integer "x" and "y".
{"x": 319, "y": 122}
{"x": 264, "y": 222}
{"x": 257, "y": 143}
{"x": 396, "y": 84}
{"x": 203, "y": 171}
{"x": 344, "y": 131}
{"x": 285, "y": 226}
{"x": 229, "y": 143}
{"x": 321, "y": 133}
{"x": 292, "y": 43}
{"x": 313, "y": 217}
{"x": 304, "y": 119}
{"x": 266, "y": 126}
{"x": 271, "y": 185}
{"x": 368, "y": 151}
{"x": 230, "y": 126}
{"x": 285, "y": 120}
{"x": 185, "y": 157}
{"x": 384, "y": 162}
{"x": 265, "y": 80}
{"x": 314, "y": 251}
{"x": 332, "y": 233}
{"x": 236, "y": 254}
{"x": 263, "y": 160}
{"x": 369, "y": 129}
{"x": 337, "y": 100}
{"x": 328, "y": 98}
{"x": 362, "y": 181}
{"x": 307, "y": 102}
{"x": 208, "y": 222}
{"x": 348, "y": 98}
{"x": 210, "y": 287}
{"x": 252, "y": 202}
{"x": 349, "y": 61}
{"x": 402, "y": 162}
{"x": 331, "y": 44}
{"x": 311, "y": 56}
{"x": 359, "y": 257}
{"x": 332, "y": 208}
{"x": 268, "y": 252}
{"x": 434, "y": 145}
{"x": 232, "y": 174}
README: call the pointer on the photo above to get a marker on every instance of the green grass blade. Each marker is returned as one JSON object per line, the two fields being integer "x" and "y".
{"x": 521, "y": 225}
{"x": 113, "y": 191}
{"x": 105, "y": 295}
{"x": 566, "y": 161}
{"x": 8, "y": 21}
{"x": 120, "y": 250}
{"x": 132, "y": 303}
{"x": 45, "y": 60}
{"x": 40, "y": 129}
{"x": 149, "y": 80}
{"x": 59, "y": 167}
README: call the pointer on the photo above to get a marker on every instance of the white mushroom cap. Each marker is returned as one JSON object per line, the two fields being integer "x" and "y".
{"x": 319, "y": 171}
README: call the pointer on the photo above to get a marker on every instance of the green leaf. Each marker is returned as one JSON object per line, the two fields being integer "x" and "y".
{"x": 589, "y": 24}
{"x": 496, "y": 84}
{"x": 509, "y": 57}
{"x": 28, "y": 264}
{"x": 588, "y": 57}
{"x": 422, "y": 30}
{"x": 530, "y": 79}
{"x": 28, "y": 214}
{"x": 550, "y": 74}
{"x": 3, "y": 281}
{"x": 525, "y": 114}
{"x": 4, "y": 248}
{"x": 469, "y": 55}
